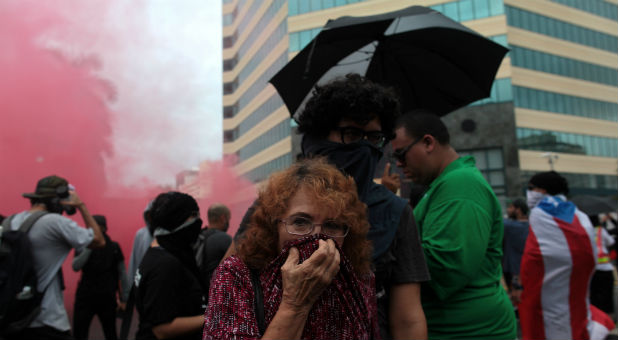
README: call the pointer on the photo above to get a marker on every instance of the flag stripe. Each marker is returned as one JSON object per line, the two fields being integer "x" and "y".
{"x": 532, "y": 272}
{"x": 582, "y": 257}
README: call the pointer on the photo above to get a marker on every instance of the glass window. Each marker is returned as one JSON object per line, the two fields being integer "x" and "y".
{"x": 505, "y": 92}
{"x": 495, "y": 159}
{"x": 303, "y": 6}
{"x": 481, "y": 8}
{"x": 496, "y": 178}
{"x": 502, "y": 40}
{"x": 293, "y": 7}
{"x": 496, "y": 7}
{"x": 466, "y": 12}
{"x": 451, "y": 10}
{"x": 481, "y": 159}
{"x": 340, "y": 2}
{"x": 543, "y": 140}
{"x": 294, "y": 42}
{"x": 305, "y": 38}
{"x": 316, "y": 5}
{"x": 328, "y": 3}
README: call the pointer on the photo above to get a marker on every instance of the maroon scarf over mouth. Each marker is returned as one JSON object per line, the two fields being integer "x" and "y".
{"x": 346, "y": 309}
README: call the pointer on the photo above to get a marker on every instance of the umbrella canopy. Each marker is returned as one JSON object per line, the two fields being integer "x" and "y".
{"x": 594, "y": 205}
{"x": 432, "y": 61}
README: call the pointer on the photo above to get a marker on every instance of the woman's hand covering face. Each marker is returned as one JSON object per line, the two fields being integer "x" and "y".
{"x": 303, "y": 283}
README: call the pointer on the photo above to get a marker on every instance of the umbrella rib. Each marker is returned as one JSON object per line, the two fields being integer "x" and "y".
{"x": 309, "y": 57}
{"x": 354, "y": 62}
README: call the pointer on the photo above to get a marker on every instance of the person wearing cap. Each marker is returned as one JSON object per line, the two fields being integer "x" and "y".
{"x": 558, "y": 262}
{"x": 169, "y": 292}
{"x": 52, "y": 237}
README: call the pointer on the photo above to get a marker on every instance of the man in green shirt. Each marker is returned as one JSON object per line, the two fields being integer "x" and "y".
{"x": 460, "y": 223}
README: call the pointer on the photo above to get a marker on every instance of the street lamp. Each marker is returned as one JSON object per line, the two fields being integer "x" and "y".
{"x": 551, "y": 158}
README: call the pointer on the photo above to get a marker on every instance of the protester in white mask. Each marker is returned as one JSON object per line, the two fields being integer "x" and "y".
{"x": 558, "y": 262}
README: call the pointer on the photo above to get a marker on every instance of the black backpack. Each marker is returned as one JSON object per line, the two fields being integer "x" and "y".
{"x": 20, "y": 300}
{"x": 199, "y": 249}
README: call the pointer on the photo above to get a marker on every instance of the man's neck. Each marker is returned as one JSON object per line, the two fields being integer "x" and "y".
{"x": 37, "y": 207}
{"x": 215, "y": 226}
{"x": 522, "y": 218}
{"x": 447, "y": 156}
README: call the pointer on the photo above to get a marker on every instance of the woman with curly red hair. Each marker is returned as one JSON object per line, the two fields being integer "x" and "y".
{"x": 308, "y": 256}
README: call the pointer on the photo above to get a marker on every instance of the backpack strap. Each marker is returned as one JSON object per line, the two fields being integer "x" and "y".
{"x": 258, "y": 301}
{"x": 6, "y": 224}
{"x": 29, "y": 222}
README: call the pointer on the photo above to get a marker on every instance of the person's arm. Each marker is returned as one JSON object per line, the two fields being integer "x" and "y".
{"x": 123, "y": 285}
{"x": 231, "y": 294}
{"x": 455, "y": 240}
{"x": 302, "y": 285}
{"x": 406, "y": 316}
{"x": 179, "y": 327}
{"x": 80, "y": 260}
{"x": 98, "y": 241}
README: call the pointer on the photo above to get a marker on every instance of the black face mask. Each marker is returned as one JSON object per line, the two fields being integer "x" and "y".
{"x": 358, "y": 160}
{"x": 181, "y": 237}
{"x": 179, "y": 241}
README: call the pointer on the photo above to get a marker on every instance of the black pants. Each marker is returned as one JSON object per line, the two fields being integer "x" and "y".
{"x": 602, "y": 291}
{"x": 43, "y": 333}
{"x": 86, "y": 308}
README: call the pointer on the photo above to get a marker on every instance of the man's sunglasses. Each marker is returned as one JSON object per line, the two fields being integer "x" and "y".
{"x": 400, "y": 155}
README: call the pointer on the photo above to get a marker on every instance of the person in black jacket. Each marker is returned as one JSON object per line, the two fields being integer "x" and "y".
{"x": 169, "y": 291}
{"x": 103, "y": 270}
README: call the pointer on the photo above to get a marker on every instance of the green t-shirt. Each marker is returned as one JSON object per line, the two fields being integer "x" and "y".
{"x": 460, "y": 223}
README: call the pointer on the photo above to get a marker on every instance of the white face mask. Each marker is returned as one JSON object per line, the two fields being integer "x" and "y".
{"x": 533, "y": 198}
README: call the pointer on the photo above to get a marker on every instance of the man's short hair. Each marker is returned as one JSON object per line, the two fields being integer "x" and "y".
{"x": 215, "y": 211}
{"x": 521, "y": 204}
{"x": 351, "y": 97}
{"x": 422, "y": 122}
{"x": 551, "y": 181}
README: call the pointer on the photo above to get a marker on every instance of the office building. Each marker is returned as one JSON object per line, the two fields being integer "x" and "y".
{"x": 554, "y": 103}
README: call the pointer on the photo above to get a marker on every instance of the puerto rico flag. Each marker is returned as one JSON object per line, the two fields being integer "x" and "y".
{"x": 556, "y": 268}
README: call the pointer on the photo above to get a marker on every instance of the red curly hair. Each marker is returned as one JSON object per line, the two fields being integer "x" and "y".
{"x": 335, "y": 194}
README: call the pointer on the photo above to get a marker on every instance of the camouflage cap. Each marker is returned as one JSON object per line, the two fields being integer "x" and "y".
{"x": 49, "y": 186}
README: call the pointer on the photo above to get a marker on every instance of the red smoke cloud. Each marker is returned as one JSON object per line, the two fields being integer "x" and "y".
{"x": 113, "y": 142}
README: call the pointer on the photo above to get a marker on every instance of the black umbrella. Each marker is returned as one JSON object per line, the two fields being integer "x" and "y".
{"x": 594, "y": 205}
{"x": 432, "y": 61}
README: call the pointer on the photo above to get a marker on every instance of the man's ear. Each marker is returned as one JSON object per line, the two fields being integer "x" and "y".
{"x": 429, "y": 142}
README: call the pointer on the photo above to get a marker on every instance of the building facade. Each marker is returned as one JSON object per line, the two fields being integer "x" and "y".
{"x": 553, "y": 105}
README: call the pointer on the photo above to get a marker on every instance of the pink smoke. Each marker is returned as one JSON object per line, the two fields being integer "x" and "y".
{"x": 71, "y": 107}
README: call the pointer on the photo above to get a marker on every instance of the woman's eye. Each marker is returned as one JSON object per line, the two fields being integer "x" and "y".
{"x": 301, "y": 222}
{"x": 333, "y": 226}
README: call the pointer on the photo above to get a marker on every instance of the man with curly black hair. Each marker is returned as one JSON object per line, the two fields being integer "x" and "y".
{"x": 349, "y": 120}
